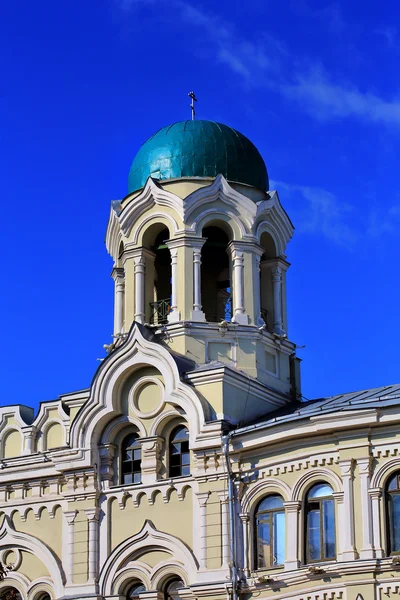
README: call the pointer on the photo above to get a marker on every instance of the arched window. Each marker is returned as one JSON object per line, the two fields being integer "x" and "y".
{"x": 215, "y": 276}
{"x": 44, "y": 596}
{"x": 179, "y": 456}
{"x": 171, "y": 589}
{"x": 131, "y": 459}
{"x": 393, "y": 513}
{"x": 270, "y": 533}
{"x": 320, "y": 523}
{"x": 134, "y": 591}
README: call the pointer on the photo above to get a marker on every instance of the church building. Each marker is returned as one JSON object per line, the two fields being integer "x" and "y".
{"x": 191, "y": 468}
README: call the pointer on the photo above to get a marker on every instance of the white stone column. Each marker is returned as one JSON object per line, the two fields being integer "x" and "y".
{"x": 197, "y": 313}
{"x": 277, "y": 295}
{"x": 259, "y": 321}
{"x": 364, "y": 468}
{"x": 237, "y": 285}
{"x": 245, "y": 519}
{"x": 292, "y": 509}
{"x": 376, "y": 495}
{"x": 174, "y": 313}
{"x": 347, "y": 525}
{"x": 225, "y": 528}
{"x": 69, "y": 547}
{"x": 29, "y": 434}
{"x": 93, "y": 515}
{"x": 119, "y": 280}
{"x": 202, "y": 527}
{"x": 140, "y": 270}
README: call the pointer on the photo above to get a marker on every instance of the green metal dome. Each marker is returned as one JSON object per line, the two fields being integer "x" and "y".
{"x": 198, "y": 149}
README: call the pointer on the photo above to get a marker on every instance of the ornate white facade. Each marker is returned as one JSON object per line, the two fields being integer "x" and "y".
{"x": 190, "y": 468}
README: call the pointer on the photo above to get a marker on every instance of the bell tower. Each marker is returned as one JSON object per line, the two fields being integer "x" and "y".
{"x": 199, "y": 258}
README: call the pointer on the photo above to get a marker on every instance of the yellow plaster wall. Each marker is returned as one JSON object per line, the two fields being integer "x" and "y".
{"x": 46, "y": 529}
{"x": 153, "y": 558}
{"x": 213, "y": 531}
{"x": 54, "y": 436}
{"x": 175, "y": 518}
{"x": 32, "y": 567}
{"x": 12, "y": 444}
{"x": 80, "y": 565}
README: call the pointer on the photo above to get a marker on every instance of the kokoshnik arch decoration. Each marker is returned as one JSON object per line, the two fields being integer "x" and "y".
{"x": 191, "y": 468}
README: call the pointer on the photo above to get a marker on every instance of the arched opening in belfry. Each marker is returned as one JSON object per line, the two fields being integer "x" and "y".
{"x": 266, "y": 288}
{"x": 216, "y": 298}
{"x": 158, "y": 275}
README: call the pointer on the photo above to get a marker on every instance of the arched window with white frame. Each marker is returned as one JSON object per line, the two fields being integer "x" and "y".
{"x": 179, "y": 454}
{"x": 320, "y": 524}
{"x": 270, "y": 533}
{"x": 393, "y": 513}
{"x": 131, "y": 459}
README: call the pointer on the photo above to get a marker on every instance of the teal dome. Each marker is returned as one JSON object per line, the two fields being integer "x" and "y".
{"x": 198, "y": 149}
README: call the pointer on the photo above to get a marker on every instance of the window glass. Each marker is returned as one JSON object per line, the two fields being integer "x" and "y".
{"x": 320, "y": 491}
{"x": 131, "y": 459}
{"x": 279, "y": 538}
{"x": 171, "y": 592}
{"x": 270, "y": 502}
{"x": 329, "y": 528}
{"x": 134, "y": 591}
{"x": 270, "y": 533}
{"x": 179, "y": 455}
{"x": 320, "y": 530}
{"x": 393, "y": 512}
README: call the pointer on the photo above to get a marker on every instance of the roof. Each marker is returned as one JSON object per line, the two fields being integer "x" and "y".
{"x": 380, "y": 397}
{"x": 198, "y": 149}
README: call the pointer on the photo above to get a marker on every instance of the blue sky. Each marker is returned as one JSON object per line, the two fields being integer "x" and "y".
{"x": 313, "y": 84}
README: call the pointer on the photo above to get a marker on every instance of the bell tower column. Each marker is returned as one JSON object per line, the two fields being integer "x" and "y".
{"x": 186, "y": 279}
{"x": 197, "y": 313}
{"x": 119, "y": 279}
{"x": 239, "y": 314}
{"x": 277, "y": 268}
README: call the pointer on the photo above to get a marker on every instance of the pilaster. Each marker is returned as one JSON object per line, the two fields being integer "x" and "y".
{"x": 347, "y": 531}
{"x": 151, "y": 464}
{"x": 107, "y": 452}
{"x": 202, "y": 498}
{"x": 376, "y": 502}
{"x": 68, "y": 544}
{"x": 364, "y": 469}
{"x": 292, "y": 510}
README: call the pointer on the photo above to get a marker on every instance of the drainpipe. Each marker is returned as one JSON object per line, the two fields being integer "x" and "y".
{"x": 231, "y": 501}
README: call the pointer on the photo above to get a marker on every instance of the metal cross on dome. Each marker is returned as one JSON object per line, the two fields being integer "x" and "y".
{"x": 194, "y": 99}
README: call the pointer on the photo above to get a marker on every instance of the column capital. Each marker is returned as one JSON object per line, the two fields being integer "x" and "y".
{"x": 93, "y": 514}
{"x": 364, "y": 465}
{"x": 375, "y": 493}
{"x": 276, "y": 262}
{"x": 186, "y": 241}
{"x": 292, "y": 505}
{"x": 243, "y": 246}
{"x": 70, "y": 516}
{"x": 244, "y": 517}
{"x": 118, "y": 274}
{"x": 347, "y": 467}
{"x": 137, "y": 252}
{"x": 339, "y": 497}
{"x": 202, "y": 497}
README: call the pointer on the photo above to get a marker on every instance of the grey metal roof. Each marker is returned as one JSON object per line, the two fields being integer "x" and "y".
{"x": 388, "y": 395}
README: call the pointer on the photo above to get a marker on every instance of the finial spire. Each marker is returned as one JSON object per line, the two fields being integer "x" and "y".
{"x": 194, "y": 99}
